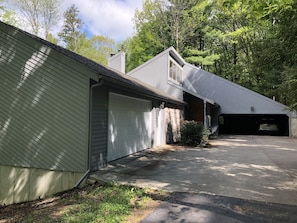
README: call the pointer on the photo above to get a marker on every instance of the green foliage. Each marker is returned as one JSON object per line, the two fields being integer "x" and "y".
{"x": 141, "y": 48}
{"x": 192, "y": 133}
{"x": 289, "y": 86}
{"x": 50, "y": 37}
{"x": 111, "y": 203}
{"x": 97, "y": 48}
{"x": 252, "y": 43}
{"x": 71, "y": 31}
{"x": 8, "y": 17}
{"x": 200, "y": 58}
{"x": 159, "y": 25}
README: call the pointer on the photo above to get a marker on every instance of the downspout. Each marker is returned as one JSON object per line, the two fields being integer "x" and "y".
{"x": 100, "y": 82}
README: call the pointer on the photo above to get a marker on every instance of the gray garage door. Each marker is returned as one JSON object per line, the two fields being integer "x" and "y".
{"x": 129, "y": 124}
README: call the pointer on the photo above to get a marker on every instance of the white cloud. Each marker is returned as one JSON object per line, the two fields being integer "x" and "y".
{"x": 111, "y": 18}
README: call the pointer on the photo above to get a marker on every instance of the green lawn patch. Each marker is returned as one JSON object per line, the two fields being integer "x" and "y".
{"x": 93, "y": 203}
{"x": 112, "y": 203}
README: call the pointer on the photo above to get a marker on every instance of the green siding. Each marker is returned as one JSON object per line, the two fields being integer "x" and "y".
{"x": 99, "y": 127}
{"x": 44, "y": 106}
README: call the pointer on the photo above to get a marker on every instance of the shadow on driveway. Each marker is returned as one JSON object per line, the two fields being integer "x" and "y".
{"x": 204, "y": 208}
{"x": 247, "y": 168}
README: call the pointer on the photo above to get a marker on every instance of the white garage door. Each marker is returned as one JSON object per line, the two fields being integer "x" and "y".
{"x": 129, "y": 124}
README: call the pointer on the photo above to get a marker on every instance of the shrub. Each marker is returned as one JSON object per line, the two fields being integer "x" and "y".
{"x": 192, "y": 133}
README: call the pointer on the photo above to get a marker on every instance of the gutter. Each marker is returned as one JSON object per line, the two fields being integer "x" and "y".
{"x": 100, "y": 83}
{"x": 142, "y": 90}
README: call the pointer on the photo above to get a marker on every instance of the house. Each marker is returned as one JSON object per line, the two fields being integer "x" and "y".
{"x": 166, "y": 71}
{"x": 223, "y": 106}
{"x": 63, "y": 116}
{"x": 166, "y": 118}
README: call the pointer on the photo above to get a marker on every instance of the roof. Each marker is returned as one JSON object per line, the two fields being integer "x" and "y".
{"x": 210, "y": 101}
{"x": 175, "y": 55}
{"x": 233, "y": 98}
{"x": 106, "y": 73}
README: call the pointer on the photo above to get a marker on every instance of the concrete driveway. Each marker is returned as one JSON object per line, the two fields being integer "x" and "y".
{"x": 259, "y": 168}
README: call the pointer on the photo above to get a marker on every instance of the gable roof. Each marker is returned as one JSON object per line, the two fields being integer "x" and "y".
{"x": 174, "y": 54}
{"x": 208, "y": 82}
{"x": 103, "y": 72}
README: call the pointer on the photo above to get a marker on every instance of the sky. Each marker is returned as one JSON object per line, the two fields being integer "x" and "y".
{"x": 111, "y": 18}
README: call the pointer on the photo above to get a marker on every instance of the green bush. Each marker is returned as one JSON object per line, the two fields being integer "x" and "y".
{"x": 192, "y": 133}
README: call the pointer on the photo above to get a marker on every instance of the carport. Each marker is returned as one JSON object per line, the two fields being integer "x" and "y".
{"x": 241, "y": 110}
{"x": 259, "y": 124}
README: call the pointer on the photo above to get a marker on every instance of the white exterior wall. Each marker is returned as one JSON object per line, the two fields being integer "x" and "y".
{"x": 117, "y": 62}
{"x": 159, "y": 131}
{"x": 155, "y": 73}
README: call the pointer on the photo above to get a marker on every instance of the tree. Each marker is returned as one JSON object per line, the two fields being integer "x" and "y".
{"x": 41, "y": 15}
{"x": 50, "y": 14}
{"x": 159, "y": 25}
{"x": 252, "y": 43}
{"x": 200, "y": 39}
{"x": 50, "y": 37}
{"x": 71, "y": 31}
{"x": 152, "y": 34}
{"x": 277, "y": 62}
{"x": 97, "y": 48}
{"x": 165, "y": 21}
{"x": 287, "y": 36}
{"x": 7, "y": 16}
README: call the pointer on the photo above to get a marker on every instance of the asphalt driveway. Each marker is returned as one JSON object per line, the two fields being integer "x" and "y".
{"x": 246, "y": 168}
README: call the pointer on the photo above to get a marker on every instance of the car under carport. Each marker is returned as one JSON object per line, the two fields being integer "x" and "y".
{"x": 259, "y": 124}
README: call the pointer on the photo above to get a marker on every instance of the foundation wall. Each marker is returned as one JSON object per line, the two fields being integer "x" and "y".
{"x": 24, "y": 184}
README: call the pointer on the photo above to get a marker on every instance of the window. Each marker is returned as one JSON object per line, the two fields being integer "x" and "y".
{"x": 175, "y": 72}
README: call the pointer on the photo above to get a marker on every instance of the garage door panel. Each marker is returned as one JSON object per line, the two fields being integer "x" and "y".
{"x": 129, "y": 126}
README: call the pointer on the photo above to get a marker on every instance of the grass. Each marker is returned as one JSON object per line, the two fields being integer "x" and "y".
{"x": 96, "y": 203}
{"x": 111, "y": 203}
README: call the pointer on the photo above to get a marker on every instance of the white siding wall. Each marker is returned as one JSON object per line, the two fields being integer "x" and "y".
{"x": 117, "y": 62}
{"x": 155, "y": 73}
{"x": 159, "y": 127}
